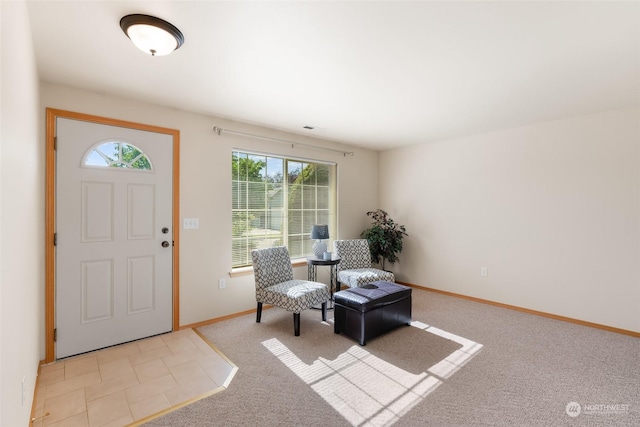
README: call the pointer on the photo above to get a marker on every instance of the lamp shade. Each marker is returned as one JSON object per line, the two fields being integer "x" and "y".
{"x": 319, "y": 232}
{"x": 152, "y": 35}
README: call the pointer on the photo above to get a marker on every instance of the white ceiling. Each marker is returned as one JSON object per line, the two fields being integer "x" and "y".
{"x": 373, "y": 74}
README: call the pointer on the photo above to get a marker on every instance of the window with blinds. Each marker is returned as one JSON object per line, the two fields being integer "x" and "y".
{"x": 276, "y": 201}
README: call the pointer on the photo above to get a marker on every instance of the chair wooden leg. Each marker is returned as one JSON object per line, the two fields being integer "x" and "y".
{"x": 324, "y": 311}
{"x": 296, "y": 324}
{"x": 259, "y": 313}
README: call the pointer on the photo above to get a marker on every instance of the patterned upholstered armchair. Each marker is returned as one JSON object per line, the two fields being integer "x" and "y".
{"x": 275, "y": 285}
{"x": 354, "y": 269}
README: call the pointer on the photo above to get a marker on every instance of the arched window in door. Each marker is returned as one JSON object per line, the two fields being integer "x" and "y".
{"x": 116, "y": 154}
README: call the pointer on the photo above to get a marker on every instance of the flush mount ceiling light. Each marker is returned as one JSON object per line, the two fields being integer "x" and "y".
{"x": 152, "y": 35}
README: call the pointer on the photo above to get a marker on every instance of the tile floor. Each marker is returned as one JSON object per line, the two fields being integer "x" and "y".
{"x": 130, "y": 383}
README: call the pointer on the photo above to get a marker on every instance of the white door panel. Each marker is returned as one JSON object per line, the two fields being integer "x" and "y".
{"x": 113, "y": 276}
{"x": 97, "y": 212}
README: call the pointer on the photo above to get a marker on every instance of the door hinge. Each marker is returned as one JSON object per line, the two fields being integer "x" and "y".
{"x": 55, "y": 143}
{"x": 55, "y": 335}
{"x": 55, "y": 239}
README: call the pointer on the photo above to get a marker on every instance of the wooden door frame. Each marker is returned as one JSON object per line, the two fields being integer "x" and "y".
{"x": 50, "y": 214}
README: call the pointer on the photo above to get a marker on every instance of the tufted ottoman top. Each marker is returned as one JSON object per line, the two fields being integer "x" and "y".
{"x": 372, "y": 295}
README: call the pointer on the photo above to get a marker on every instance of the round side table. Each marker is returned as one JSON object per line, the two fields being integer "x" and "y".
{"x": 312, "y": 272}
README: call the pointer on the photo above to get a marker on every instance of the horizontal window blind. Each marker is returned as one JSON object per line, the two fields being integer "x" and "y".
{"x": 275, "y": 202}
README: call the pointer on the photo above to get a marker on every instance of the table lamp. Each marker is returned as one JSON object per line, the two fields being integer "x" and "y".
{"x": 319, "y": 233}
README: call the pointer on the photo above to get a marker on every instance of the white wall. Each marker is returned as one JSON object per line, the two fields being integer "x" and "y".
{"x": 552, "y": 210}
{"x": 21, "y": 217}
{"x": 205, "y": 192}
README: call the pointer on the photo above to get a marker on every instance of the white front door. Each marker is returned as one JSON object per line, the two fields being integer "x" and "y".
{"x": 114, "y": 242}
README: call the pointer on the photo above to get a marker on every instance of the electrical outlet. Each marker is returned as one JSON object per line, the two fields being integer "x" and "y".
{"x": 484, "y": 272}
{"x": 222, "y": 283}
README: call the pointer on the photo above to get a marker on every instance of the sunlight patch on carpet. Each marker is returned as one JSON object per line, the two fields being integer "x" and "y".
{"x": 367, "y": 390}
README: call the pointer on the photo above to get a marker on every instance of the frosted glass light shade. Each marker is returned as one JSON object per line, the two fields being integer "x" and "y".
{"x": 152, "y": 35}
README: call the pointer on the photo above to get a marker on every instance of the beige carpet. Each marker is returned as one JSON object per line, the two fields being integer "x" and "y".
{"x": 462, "y": 363}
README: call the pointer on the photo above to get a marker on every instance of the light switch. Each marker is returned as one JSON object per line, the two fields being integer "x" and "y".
{"x": 190, "y": 223}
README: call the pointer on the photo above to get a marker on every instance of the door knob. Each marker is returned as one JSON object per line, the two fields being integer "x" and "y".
{"x": 165, "y": 244}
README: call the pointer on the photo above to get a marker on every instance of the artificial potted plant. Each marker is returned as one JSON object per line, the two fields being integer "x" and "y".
{"x": 385, "y": 237}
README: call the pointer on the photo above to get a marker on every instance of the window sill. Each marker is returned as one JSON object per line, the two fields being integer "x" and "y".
{"x": 242, "y": 271}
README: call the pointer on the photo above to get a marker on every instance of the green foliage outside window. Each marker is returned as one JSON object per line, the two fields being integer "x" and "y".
{"x": 118, "y": 155}
{"x": 275, "y": 202}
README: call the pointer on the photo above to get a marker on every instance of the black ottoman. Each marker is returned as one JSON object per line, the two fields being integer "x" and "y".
{"x": 373, "y": 309}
